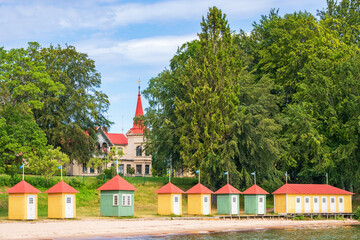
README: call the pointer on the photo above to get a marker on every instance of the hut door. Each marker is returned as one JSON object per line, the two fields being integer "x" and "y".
{"x": 261, "y": 205}
{"x": 206, "y": 205}
{"x": 31, "y": 207}
{"x": 307, "y": 204}
{"x": 341, "y": 204}
{"x": 69, "y": 213}
{"x": 234, "y": 204}
{"x": 315, "y": 204}
{"x": 298, "y": 208}
{"x": 324, "y": 204}
{"x": 332, "y": 204}
{"x": 176, "y": 204}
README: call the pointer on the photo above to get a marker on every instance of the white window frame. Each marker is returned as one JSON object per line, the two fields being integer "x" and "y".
{"x": 126, "y": 200}
{"x": 116, "y": 202}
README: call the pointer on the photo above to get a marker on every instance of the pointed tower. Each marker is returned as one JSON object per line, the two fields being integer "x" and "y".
{"x": 139, "y": 112}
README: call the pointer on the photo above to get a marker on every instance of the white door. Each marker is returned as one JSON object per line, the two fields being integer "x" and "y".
{"x": 298, "y": 207}
{"x": 332, "y": 204}
{"x": 176, "y": 204}
{"x": 261, "y": 205}
{"x": 234, "y": 204}
{"x": 316, "y": 204}
{"x": 206, "y": 204}
{"x": 307, "y": 204}
{"x": 31, "y": 206}
{"x": 341, "y": 204}
{"x": 69, "y": 206}
{"x": 324, "y": 204}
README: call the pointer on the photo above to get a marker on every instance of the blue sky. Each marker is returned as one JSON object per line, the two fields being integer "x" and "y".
{"x": 129, "y": 40}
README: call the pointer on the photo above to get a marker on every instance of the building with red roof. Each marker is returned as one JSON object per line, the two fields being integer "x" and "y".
{"x": 199, "y": 200}
{"x": 135, "y": 160}
{"x": 169, "y": 200}
{"x": 23, "y": 201}
{"x": 228, "y": 200}
{"x": 117, "y": 198}
{"x": 255, "y": 200}
{"x": 61, "y": 201}
{"x": 312, "y": 198}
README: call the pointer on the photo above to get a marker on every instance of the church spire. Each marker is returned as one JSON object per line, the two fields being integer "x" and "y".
{"x": 139, "y": 112}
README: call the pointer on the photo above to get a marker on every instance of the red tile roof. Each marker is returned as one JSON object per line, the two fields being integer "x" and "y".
{"x": 139, "y": 112}
{"x": 23, "y": 187}
{"x": 117, "y": 138}
{"x": 61, "y": 187}
{"x": 117, "y": 183}
{"x": 310, "y": 189}
{"x": 255, "y": 189}
{"x": 199, "y": 188}
{"x": 227, "y": 189}
{"x": 169, "y": 188}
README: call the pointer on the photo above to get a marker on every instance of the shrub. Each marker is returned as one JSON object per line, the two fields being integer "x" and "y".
{"x": 357, "y": 213}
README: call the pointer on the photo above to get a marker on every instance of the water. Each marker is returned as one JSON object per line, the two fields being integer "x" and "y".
{"x": 346, "y": 232}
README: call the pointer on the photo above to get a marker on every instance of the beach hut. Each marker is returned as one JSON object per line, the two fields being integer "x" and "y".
{"x": 117, "y": 198}
{"x": 255, "y": 200}
{"x": 199, "y": 200}
{"x": 61, "y": 201}
{"x": 169, "y": 200}
{"x": 228, "y": 200}
{"x": 23, "y": 201}
{"x": 311, "y": 198}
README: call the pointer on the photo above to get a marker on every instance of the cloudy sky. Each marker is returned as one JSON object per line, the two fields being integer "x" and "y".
{"x": 129, "y": 40}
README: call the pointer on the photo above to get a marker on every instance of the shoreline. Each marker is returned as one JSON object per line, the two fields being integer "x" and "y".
{"x": 119, "y": 228}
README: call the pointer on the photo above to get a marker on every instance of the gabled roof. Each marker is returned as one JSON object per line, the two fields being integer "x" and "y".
{"x": 117, "y": 183}
{"x": 139, "y": 112}
{"x": 169, "y": 188}
{"x": 310, "y": 189}
{"x": 227, "y": 189}
{"x": 23, "y": 187}
{"x": 117, "y": 138}
{"x": 199, "y": 188}
{"x": 255, "y": 189}
{"x": 61, "y": 187}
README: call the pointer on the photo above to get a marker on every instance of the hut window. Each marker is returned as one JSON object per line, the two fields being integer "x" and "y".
{"x": 298, "y": 200}
{"x": 31, "y": 201}
{"x": 234, "y": 199}
{"x": 261, "y": 200}
{"x": 115, "y": 199}
{"x": 307, "y": 200}
{"x": 68, "y": 200}
{"x": 176, "y": 199}
{"x": 129, "y": 200}
{"x": 332, "y": 200}
{"x": 126, "y": 199}
{"x": 315, "y": 200}
{"x": 340, "y": 200}
{"x": 324, "y": 200}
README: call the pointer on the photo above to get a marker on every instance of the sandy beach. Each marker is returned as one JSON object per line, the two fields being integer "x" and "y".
{"x": 53, "y": 229}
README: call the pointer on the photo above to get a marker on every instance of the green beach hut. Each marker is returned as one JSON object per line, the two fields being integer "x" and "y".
{"x": 228, "y": 200}
{"x": 117, "y": 198}
{"x": 255, "y": 200}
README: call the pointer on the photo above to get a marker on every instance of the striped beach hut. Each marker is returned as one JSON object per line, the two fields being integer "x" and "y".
{"x": 228, "y": 200}
{"x": 169, "y": 200}
{"x": 255, "y": 200}
{"x": 312, "y": 198}
{"x": 23, "y": 201}
{"x": 61, "y": 201}
{"x": 199, "y": 200}
{"x": 117, "y": 198}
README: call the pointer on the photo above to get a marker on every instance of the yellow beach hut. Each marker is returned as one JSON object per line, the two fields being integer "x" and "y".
{"x": 61, "y": 201}
{"x": 169, "y": 200}
{"x": 311, "y": 198}
{"x": 199, "y": 200}
{"x": 23, "y": 201}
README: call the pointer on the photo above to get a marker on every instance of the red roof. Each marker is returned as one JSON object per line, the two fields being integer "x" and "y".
{"x": 117, "y": 138}
{"x": 227, "y": 189}
{"x": 61, "y": 187}
{"x": 199, "y": 188}
{"x": 139, "y": 112}
{"x": 117, "y": 183}
{"x": 310, "y": 189}
{"x": 255, "y": 189}
{"x": 169, "y": 188}
{"x": 23, "y": 187}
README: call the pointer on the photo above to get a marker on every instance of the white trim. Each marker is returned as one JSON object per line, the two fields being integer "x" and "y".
{"x": 274, "y": 205}
{"x": 126, "y": 200}
{"x": 286, "y": 200}
{"x": 115, "y": 196}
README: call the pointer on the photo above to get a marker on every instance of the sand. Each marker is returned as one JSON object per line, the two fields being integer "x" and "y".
{"x": 52, "y": 229}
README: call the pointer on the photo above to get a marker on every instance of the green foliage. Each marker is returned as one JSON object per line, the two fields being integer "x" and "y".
{"x": 357, "y": 213}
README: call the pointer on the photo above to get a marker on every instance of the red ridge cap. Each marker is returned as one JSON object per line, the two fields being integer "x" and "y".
{"x": 23, "y": 187}
{"x": 227, "y": 189}
{"x": 61, "y": 187}
{"x": 117, "y": 183}
{"x": 255, "y": 189}
{"x": 199, "y": 188}
{"x": 169, "y": 188}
